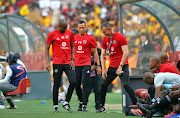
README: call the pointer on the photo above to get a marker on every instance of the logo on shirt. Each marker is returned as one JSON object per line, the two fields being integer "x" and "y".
{"x": 79, "y": 47}
{"x": 79, "y": 42}
{"x": 84, "y": 41}
{"x": 67, "y": 37}
{"x": 112, "y": 49}
{"x": 114, "y": 41}
{"x": 57, "y": 38}
{"x": 88, "y": 71}
{"x": 75, "y": 42}
{"x": 63, "y": 44}
{"x": 62, "y": 37}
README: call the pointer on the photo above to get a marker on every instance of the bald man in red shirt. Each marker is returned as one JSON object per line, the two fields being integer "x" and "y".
{"x": 116, "y": 44}
{"x": 62, "y": 41}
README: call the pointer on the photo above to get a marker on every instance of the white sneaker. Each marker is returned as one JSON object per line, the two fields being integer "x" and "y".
{"x": 9, "y": 107}
{"x": 2, "y": 107}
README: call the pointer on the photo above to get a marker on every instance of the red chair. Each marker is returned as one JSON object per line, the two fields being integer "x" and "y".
{"x": 138, "y": 91}
{"x": 24, "y": 87}
{"x": 144, "y": 94}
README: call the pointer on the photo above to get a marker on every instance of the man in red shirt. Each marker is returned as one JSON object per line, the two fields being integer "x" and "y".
{"x": 116, "y": 44}
{"x": 156, "y": 65}
{"x": 62, "y": 41}
{"x": 84, "y": 45}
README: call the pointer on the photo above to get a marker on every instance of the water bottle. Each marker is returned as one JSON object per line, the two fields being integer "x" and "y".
{"x": 43, "y": 102}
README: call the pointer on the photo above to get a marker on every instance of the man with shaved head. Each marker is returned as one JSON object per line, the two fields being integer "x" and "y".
{"x": 164, "y": 58}
{"x": 157, "y": 66}
{"x": 62, "y": 41}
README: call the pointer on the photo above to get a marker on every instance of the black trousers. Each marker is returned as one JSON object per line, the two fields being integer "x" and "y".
{"x": 82, "y": 76}
{"x": 95, "y": 84}
{"x": 57, "y": 73}
{"x": 111, "y": 75}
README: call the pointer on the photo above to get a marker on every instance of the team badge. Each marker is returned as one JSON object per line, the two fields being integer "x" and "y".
{"x": 84, "y": 41}
{"x": 79, "y": 47}
{"x": 67, "y": 37}
{"x": 114, "y": 41}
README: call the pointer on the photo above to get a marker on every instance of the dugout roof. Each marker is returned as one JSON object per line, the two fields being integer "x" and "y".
{"x": 167, "y": 13}
{"x": 19, "y": 35}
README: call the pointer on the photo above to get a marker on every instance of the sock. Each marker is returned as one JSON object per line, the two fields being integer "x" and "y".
{"x": 65, "y": 103}
{"x": 56, "y": 106}
{"x": 63, "y": 95}
{"x": 65, "y": 89}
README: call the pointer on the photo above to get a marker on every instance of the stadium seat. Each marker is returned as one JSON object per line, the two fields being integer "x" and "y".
{"x": 138, "y": 91}
{"x": 177, "y": 56}
{"x": 170, "y": 56}
{"x": 24, "y": 87}
{"x": 144, "y": 94}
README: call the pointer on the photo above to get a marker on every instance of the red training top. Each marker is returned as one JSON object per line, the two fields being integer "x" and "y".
{"x": 83, "y": 47}
{"x": 61, "y": 46}
{"x": 167, "y": 67}
{"x": 118, "y": 40}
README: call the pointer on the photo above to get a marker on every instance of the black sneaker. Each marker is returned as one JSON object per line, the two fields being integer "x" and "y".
{"x": 144, "y": 110}
{"x": 102, "y": 109}
{"x": 67, "y": 107}
{"x": 56, "y": 109}
{"x": 80, "y": 107}
{"x": 84, "y": 108}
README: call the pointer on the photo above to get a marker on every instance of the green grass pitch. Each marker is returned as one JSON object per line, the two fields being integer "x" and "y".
{"x": 34, "y": 109}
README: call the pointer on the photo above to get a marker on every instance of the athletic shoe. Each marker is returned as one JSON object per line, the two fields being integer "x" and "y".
{"x": 170, "y": 114}
{"x": 2, "y": 107}
{"x": 102, "y": 109}
{"x": 137, "y": 112}
{"x": 61, "y": 101}
{"x": 67, "y": 107}
{"x": 144, "y": 110}
{"x": 80, "y": 107}
{"x": 56, "y": 109}
{"x": 158, "y": 114}
{"x": 84, "y": 108}
{"x": 9, "y": 107}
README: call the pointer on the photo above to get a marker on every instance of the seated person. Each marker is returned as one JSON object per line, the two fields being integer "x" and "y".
{"x": 159, "y": 79}
{"x": 156, "y": 66}
{"x": 163, "y": 101}
{"x": 15, "y": 72}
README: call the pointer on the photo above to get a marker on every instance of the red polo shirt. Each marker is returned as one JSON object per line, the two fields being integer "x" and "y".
{"x": 61, "y": 46}
{"x": 83, "y": 47}
{"x": 118, "y": 40}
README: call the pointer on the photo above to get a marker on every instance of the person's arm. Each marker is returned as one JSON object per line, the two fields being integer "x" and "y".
{"x": 124, "y": 57}
{"x": 72, "y": 56}
{"x": 157, "y": 90}
{"x": 47, "y": 56}
{"x": 8, "y": 75}
{"x": 94, "y": 51}
{"x": 103, "y": 54}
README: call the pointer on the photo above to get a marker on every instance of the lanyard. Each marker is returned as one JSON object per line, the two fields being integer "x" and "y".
{"x": 109, "y": 44}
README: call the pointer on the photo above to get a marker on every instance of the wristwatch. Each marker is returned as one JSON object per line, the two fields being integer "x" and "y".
{"x": 121, "y": 65}
{"x": 99, "y": 65}
{"x": 73, "y": 59}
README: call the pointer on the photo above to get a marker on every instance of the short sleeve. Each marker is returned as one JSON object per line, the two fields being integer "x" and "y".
{"x": 93, "y": 43}
{"x": 158, "y": 79}
{"x": 104, "y": 46}
{"x": 123, "y": 40}
{"x": 49, "y": 39}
